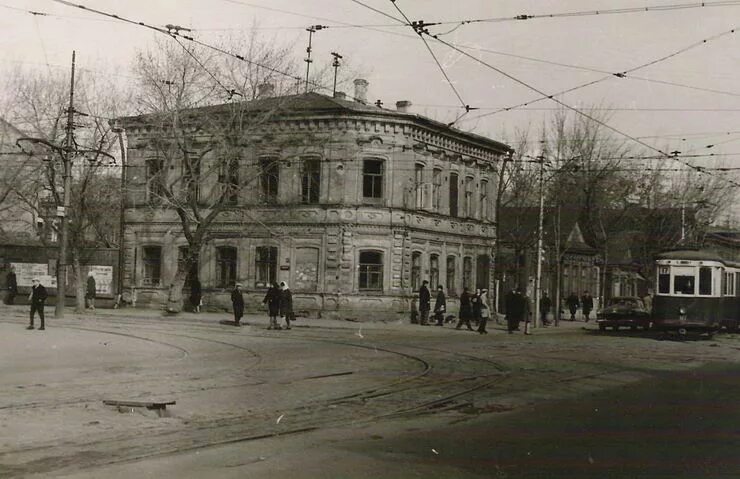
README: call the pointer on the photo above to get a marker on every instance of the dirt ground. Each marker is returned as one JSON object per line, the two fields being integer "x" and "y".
{"x": 360, "y": 400}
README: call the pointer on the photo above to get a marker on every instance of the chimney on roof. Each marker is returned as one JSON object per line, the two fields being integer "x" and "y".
{"x": 340, "y": 95}
{"x": 403, "y": 106}
{"x": 265, "y": 90}
{"x": 361, "y": 90}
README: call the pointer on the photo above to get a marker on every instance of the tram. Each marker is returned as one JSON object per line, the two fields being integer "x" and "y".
{"x": 697, "y": 290}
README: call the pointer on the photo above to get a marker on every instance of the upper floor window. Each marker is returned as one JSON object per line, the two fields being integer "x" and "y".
{"x": 311, "y": 180}
{"x": 228, "y": 179}
{"x": 269, "y": 179}
{"x": 415, "y": 271}
{"x": 154, "y": 178}
{"x": 436, "y": 189}
{"x": 484, "y": 199}
{"x": 419, "y": 185}
{"x": 372, "y": 179}
{"x": 225, "y": 266}
{"x": 191, "y": 179}
{"x": 469, "y": 207}
{"x": 453, "y": 194}
{"x": 151, "y": 258}
{"x": 371, "y": 270}
{"x": 266, "y": 265}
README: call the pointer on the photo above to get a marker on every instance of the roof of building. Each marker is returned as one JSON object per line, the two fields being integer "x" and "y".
{"x": 316, "y": 103}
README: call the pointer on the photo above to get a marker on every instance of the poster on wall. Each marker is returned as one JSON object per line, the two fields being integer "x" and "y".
{"x": 25, "y": 272}
{"x": 103, "y": 278}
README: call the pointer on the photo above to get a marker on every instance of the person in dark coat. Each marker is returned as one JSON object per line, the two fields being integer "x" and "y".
{"x": 485, "y": 311}
{"x": 38, "y": 299}
{"x": 272, "y": 300}
{"x": 525, "y": 310}
{"x": 425, "y": 299}
{"x": 12, "y": 283}
{"x": 286, "y": 304}
{"x": 545, "y": 305}
{"x": 466, "y": 310}
{"x": 573, "y": 303}
{"x": 440, "y": 306}
{"x": 511, "y": 302}
{"x": 196, "y": 294}
{"x": 587, "y": 304}
{"x": 237, "y": 302}
{"x": 90, "y": 291}
{"x": 475, "y": 301}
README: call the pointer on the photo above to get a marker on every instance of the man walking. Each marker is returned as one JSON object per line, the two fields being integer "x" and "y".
{"x": 466, "y": 310}
{"x": 286, "y": 303}
{"x": 587, "y": 304}
{"x": 37, "y": 298}
{"x": 237, "y": 303}
{"x": 573, "y": 303}
{"x": 424, "y": 303}
{"x": 512, "y": 304}
{"x": 440, "y": 306}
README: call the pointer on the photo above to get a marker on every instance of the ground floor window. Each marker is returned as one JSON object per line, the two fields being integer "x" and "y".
{"x": 451, "y": 284}
{"x": 266, "y": 265}
{"x": 306, "y": 269}
{"x": 415, "y": 271}
{"x": 225, "y": 266}
{"x": 468, "y": 273}
{"x": 434, "y": 271}
{"x": 152, "y": 260}
{"x": 371, "y": 270}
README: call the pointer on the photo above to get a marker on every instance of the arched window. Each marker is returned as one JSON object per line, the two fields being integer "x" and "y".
{"x": 419, "y": 185}
{"x": 311, "y": 180}
{"x": 453, "y": 194}
{"x": 436, "y": 189}
{"x": 225, "y": 266}
{"x": 415, "y": 270}
{"x": 484, "y": 199}
{"x": 468, "y": 273}
{"x": 433, "y": 271}
{"x": 451, "y": 280}
{"x": 371, "y": 271}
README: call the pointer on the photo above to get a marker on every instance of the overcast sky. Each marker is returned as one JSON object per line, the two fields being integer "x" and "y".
{"x": 399, "y": 67}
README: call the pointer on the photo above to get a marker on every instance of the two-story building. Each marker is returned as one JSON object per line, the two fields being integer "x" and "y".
{"x": 351, "y": 204}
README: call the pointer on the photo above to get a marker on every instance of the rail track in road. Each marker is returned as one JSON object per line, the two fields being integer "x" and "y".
{"x": 441, "y": 380}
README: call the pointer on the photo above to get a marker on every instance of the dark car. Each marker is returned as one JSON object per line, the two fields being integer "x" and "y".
{"x": 623, "y": 311}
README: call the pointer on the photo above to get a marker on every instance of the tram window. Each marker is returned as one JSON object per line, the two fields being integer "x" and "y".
{"x": 683, "y": 284}
{"x": 705, "y": 280}
{"x": 664, "y": 282}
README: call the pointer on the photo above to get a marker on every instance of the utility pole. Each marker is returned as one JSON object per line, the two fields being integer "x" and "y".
{"x": 335, "y": 64}
{"x": 310, "y": 30}
{"x": 66, "y": 194}
{"x": 538, "y": 278}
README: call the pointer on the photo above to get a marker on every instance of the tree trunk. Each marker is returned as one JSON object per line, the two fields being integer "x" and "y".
{"x": 78, "y": 282}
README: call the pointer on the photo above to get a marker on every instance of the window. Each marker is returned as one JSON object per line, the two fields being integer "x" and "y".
{"x": 191, "y": 179}
{"x": 266, "y": 265}
{"x": 436, "y": 189}
{"x": 154, "y": 178}
{"x": 664, "y": 280}
{"x": 228, "y": 179}
{"x": 419, "y": 185}
{"x": 683, "y": 284}
{"x": 483, "y": 266}
{"x": 484, "y": 199}
{"x": 433, "y": 271}
{"x": 306, "y": 277}
{"x": 469, "y": 210}
{"x": 311, "y": 181}
{"x": 453, "y": 194}
{"x": 371, "y": 270}
{"x": 705, "y": 280}
{"x": 372, "y": 179}
{"x": 468, "y": 272}
{"x": 415, "y": 271}
{"x": 451, "y": 284}
{"x": 269, "y": 180}
{"x": 152, "y": 259}
{"x": 225, "y": 266}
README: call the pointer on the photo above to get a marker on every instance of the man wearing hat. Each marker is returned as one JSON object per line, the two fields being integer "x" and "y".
{"x": 37, "y": 298}
{"x": 237, "y": 301}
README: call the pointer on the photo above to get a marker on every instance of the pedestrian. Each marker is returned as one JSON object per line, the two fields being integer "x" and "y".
{"x": 12, "y": 283}
{"x": 286, "y": 304}
{"x": 484, "y": 311}
{"x": 466, "y": 310}
{"x": 475, "y": 301}
{"x": 545, "y": 305}
{"x": 196, "y": 295}
{"x": 237, "y": 302}
{"x": 440, "y": 306}
{"x": 587, "y": 304}
{"x": 90, "y": 291}
{"x": 37, "y": 298}
{"x": 511, "y": 303}
{"x": 272, "y": 300}
{"x": 525, "y": 309}
{"x": 573, "y": 304}
{"x": 424, "y": 303}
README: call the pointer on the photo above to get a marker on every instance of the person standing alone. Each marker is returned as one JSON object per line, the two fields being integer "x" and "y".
{"x": 587, "y": 304}
{"x": 440, "y": 306}
{"x": 38, "y": 299}
{"x": 237, "y": 302}
{"x": 425, "y": 299}
{"x": 90, "y": 291}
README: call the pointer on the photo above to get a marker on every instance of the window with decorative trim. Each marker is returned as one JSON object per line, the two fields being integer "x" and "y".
{"x": 269, "y": 180}
{"x": 265, "y": 263}
{"x": 154, "y": 178}
{"x": 451, "y": 279}
{"x": 228, "y": 180}
{"x": 415, "y": 271}
{"x": 225, "y": 266}
{"x": 372, "y": 179}
{"x": 468, "y": 273}
{"x": 453, "y": 194}
{"x": 151, "y": 259}
{"x": 484, "y": 200}
{"x": 311, "y": 180}
{"x": 436, "y": 189}
{"x": 371, "y": 271}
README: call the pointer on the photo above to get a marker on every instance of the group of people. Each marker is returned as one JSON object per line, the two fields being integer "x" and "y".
{"x": 585, "y": 302}
{"x": 473, "y": 307}
{"x": 517, "y": 310}
{"x": 279, "y": 301}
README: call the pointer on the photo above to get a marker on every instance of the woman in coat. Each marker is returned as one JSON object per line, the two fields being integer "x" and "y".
{"x": 196, "y": 294}
{"x": 466, "y": 310}
{"x": 286, "y": 304}
{"x": 237, "y": 302}
{"x": 272, "y": 300}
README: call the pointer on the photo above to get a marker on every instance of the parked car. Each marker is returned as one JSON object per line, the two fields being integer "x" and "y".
{"x": 623, "y": 311}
